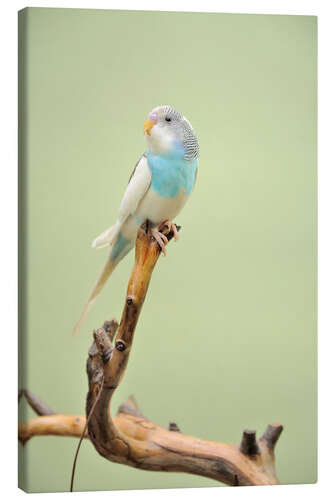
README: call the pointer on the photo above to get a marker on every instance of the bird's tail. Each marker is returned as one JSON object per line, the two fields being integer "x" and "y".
{"x": 107, "y": 237}
{"x": 102, "y": 279}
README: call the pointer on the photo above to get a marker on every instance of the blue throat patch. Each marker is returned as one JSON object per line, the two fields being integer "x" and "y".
{"x": 171, "y": 173}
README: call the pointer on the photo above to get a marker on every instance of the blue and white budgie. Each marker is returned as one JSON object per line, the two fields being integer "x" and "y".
{"x": 159, "y": 187}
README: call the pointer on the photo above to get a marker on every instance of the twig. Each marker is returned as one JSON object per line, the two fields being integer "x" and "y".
{"x": 82, "y": 436}
{"x": 36, "y": 404}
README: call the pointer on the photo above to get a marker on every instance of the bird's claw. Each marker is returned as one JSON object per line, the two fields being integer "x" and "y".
{"x": 160, "y": 237}
{"x": 161, "y": 240}
{"x": 170, "y": 226}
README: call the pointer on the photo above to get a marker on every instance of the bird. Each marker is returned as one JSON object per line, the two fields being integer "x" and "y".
{"x": 160, "y": 185}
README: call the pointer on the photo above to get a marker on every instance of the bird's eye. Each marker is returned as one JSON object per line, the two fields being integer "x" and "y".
{"x": 167, "y": 119}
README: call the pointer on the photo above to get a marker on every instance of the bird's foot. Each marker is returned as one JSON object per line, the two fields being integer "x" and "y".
{"x": 161, "y": 240}
{"x": 170, "y": 226}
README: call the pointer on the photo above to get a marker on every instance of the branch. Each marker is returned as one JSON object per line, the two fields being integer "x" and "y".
{"x": 52, "y": 425}
{"x": 36, "y": 404}
{"x": 227, "y": 458}
{"x": 132, "y": 439}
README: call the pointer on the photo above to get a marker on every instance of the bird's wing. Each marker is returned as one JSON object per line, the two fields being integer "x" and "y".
{"x": 137, "y": 187}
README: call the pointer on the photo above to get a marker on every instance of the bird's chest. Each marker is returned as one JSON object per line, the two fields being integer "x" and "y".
{"x": 171, "y": 185}
{"x": 171, "y": 175}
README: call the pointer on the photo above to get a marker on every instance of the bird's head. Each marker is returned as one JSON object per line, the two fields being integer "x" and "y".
{"x": 168, "y": 131}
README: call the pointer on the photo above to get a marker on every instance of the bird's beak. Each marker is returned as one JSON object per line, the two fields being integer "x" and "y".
{"x": 148, "y": 125}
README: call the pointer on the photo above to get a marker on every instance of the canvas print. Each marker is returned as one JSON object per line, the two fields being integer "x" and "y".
{"x": 167, "y": 250}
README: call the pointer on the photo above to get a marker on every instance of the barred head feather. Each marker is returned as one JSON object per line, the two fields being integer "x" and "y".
{"x": 182, "y": 127}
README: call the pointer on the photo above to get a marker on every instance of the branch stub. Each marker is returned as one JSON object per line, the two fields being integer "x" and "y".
{"x": 120, "y": 345}
{"x": 249, "y": 445}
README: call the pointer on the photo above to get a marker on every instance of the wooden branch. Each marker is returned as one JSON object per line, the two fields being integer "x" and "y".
{"x": 232, "y": 465}
{"x": 36, "y": 404}
{"x": 133, "y": 440}
{"x": 130, "y": 438}
{"x": 52, "y": 425}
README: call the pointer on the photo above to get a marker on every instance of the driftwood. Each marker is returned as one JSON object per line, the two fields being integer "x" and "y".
{"x": 130, "y": 438}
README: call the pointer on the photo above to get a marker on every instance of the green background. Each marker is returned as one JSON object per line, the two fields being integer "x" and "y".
{"x": 227, "y": 336}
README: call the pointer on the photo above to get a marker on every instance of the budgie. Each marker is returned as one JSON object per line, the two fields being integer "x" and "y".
{"x": 158, "y": 189}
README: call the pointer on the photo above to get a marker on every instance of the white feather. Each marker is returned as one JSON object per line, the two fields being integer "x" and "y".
{"x": 106, "y": 238}
{"x": 135, "y": 192}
